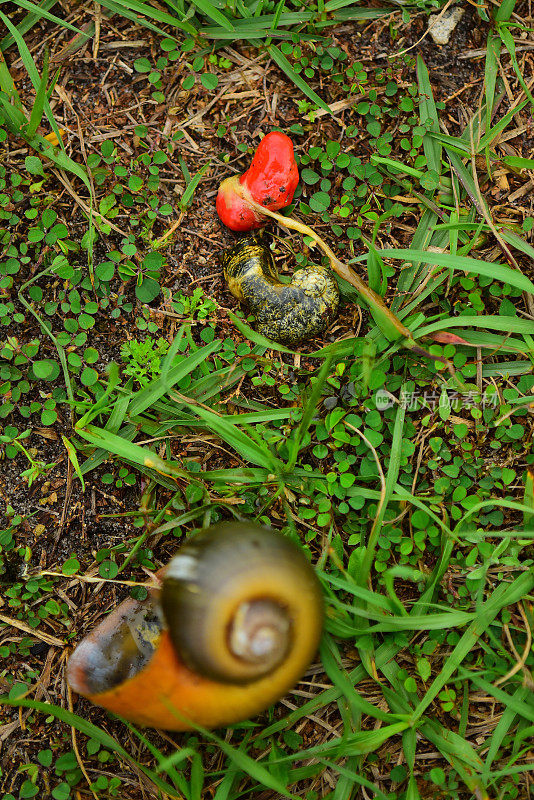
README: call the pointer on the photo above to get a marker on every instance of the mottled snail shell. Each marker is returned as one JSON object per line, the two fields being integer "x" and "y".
{"x": 239, "y": 601}
{"x": 287, "y": 313}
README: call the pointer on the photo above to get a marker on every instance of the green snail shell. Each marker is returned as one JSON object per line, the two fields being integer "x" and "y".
{"x": 242, "y": 602}
{"x": 287, "y": 313}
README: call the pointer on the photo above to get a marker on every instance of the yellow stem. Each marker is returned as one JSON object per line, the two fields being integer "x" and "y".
{"x": 373, "y": 299}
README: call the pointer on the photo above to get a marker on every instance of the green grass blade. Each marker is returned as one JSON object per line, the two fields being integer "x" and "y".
{"x": 93, "y": 732}
{"x": 491, "y": 70}
{"x": 213, "y": 13}
{"x": 451, "y": 743}
{"x": 521, "y": 695}
{"x": 277, "y": 15}
{"x": 248, "y": 765}
{"x": 528, "y": 499}
{"x": 256, "y": 337}
{"x": 41, "y": 12}
{"x": 409, "y": 745}
{"x": 340, "y": 678}
{"x": 309, "y": 411}
{"x": 28, "y": 22}
{"x": 505, "y": 595}
{"x": 141, "y": 14}
{"x": 247, "y": 448}
{"x": 498, "y": 323}
{"x": 504, "y": 10}
{"x": 14, "y": 119}
{"x": 421, "y": 240}
{"x": 40, "y": 98}
{"x": 35, "y": 78}
{"x": 134, "y": 453}
{"x": 185, "y": 201}
{"x": 428, "y": 116}
{"x": 148, "y": 10}
{"x": 509, "y": 43}
{"x": 375, "y": 269}
{"x": 495, "y": 131}
{"x": 334, "y": 5}
{"x": 59, "y": 158}
{"x": 502, "y": 344}
{"x": 459, "y": 754}
{"x": 518, "y": 162}
{"x": 354, "y": 14}
{"x": 513, "y": 702}
{"x": 71, "y": 450}
{"x": 171, "y": 354}
{"x": 128, "y": 433}
{"x": 144, "y": 398}
{"x": 466, "y": 179}
{"x": 391, "y": 480}
{"x": 452, "y": 142}
{"x": 490, "y": 269}
{"x": 7, "y": 84}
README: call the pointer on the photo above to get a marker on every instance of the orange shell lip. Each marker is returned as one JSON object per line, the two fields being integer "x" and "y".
{"x": 159, "y": 691}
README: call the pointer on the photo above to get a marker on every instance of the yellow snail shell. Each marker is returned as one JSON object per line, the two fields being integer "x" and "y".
{"x": 236, "y": 622}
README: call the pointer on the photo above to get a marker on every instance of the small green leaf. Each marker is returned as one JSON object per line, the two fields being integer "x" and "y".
{"x": 319, "y": 201}
{"x": 46, "y": 370}
{"x": 86, "y": 321}
{"x": 424, "y": 669}
{"x": 147, "y": 290}
{"x": 209, "y": 81}
{"x": 45, "y": 757}
{"x": 61, "y": 791}
{"x": 310, "y": 177}
{"x": 34, "y": 165}
{"x": 105, "y": 271}
{"x": 135, "y": 183}
{"x": 108, "y": 569}
{"x": 48, "y": 416}
{"x": 71, "y": 566}
{"x": 89, "y": 376}
{"x": 142, "y": 65}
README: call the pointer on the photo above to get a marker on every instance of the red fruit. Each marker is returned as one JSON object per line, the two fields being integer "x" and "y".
{"x": 270, "y": 180}
{"x": 273, "y": 175}
{"x": 233, "y": 209}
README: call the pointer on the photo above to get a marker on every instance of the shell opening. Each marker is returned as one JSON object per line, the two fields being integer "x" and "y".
{"x": 260, "y": 633}
{"x": 124, "y": 646}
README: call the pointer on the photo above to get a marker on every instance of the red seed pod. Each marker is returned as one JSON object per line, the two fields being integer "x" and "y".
{"x": 271, "y": 181}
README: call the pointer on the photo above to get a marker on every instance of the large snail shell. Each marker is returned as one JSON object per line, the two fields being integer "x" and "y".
{"x": 289, "y": 313}
{"x": 239, "y": 600}
{"x": 234, "y": 626}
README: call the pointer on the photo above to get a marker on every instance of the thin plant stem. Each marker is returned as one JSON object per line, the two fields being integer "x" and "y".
{"x": 390, "y": 325}
{"x": 343, "y": 270}
{"x": 372, "y": 540}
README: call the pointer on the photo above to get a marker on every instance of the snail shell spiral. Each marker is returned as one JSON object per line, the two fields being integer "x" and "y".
{"x": 241, "y": 601}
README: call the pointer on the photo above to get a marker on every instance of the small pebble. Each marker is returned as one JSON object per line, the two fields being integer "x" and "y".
{"x": 442, "y": 28}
